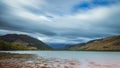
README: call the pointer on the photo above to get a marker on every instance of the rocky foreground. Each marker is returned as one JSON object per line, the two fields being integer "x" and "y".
{"x": 8, "y": 60}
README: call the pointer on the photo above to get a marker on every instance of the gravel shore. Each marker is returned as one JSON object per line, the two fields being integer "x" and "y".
{"x": 12, "y": 60}
{"x": 8, "y": 60}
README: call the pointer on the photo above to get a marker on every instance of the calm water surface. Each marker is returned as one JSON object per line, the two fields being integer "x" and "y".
{"x": 82, "y": 56}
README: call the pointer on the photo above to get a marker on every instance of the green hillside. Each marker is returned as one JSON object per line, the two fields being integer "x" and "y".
{"x": 106, "y": 44}
{"x": 21, "y": 42}
{"x": 11, "y": 46}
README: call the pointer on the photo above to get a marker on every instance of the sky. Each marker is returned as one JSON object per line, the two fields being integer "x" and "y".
{"x": 61, "y": 22}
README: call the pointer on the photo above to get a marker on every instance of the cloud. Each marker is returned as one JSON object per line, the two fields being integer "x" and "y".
{"x": 54, "y": 21}
{"x": 3, "y": 32}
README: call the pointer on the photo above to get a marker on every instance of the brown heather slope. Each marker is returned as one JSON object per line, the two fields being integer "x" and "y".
{"x": 111, "y": 43}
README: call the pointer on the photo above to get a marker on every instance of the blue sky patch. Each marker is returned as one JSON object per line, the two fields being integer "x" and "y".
{"x": 93, "y": 4}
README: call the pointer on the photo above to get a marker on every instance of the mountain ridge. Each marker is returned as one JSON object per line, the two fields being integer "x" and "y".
{"x": 25, "y": 40}
{"x": 111, "y": 43}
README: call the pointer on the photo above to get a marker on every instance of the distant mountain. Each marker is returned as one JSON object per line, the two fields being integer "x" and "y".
{"x": 106, "y": 44}
{"x": 74, "y": 46}
{"x": 24, "y": 41}
{"x": 58, "y": 46}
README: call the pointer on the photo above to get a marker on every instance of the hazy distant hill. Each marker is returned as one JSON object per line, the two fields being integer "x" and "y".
{"x": 21, "y": 42}
{"x": 106, "y": 44}
{"x": 74, "y": 46}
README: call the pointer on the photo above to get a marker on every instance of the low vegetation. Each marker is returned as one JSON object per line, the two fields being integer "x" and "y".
{"x": 21, "y": 42}
{"x": 11, "y": 46}
{"x": 107, "y": 44}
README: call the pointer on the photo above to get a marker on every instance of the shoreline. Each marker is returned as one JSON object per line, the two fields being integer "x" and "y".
{"x": 15, "y": 60}
{"x": 68, "y": 50}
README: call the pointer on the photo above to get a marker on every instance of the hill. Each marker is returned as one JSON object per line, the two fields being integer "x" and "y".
{"x": 21, "y": 42}
{"x": 111, "y": 43}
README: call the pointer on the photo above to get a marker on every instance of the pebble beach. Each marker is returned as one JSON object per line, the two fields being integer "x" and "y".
{"x": 8, "y": 60}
